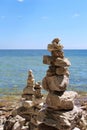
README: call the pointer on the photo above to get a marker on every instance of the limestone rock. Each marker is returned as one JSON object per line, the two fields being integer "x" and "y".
{"x": 37, "y": 92}
{"x": 76, "y": 128}
{"x": 24, "y": 128}
{"x": 23, "y": 112}
{"x": 28, "y": 90}
{"x": 27, "y": 104}
{"x": 14, "y": 123}
{"x": 57, "y": 53}
{"x": 55, "y": 83}
{"x": 64, "y": 102}
{"x": 62, "y": 62}
{"x": 43, "y": 126}
{"x": 56, "y": 40}
{"x": 27, "y": 96}
{"x": 62, "y": 120}
{"x": 1, "y": 127}
{"x": 50, "y": 73}
{"x": 30, "y": 80}
{"x": 48, "y": 60}
{"x": 54, "y": 46}
{"x": 62, "y": 71}
{"x": 16, "y": 126}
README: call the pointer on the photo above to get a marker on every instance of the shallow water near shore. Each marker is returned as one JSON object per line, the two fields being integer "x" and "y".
{"x": 14, "y": 66}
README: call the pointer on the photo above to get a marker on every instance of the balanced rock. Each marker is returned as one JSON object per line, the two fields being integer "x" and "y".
{"x": 37, "y": 92}
{"x": 48, "y": 60}
{"x": 56, "y": 40}
{"x": 28, "y": 90}
{"x": 55, "y": 83}
{"x": 57, "y": 53}
{"x": 55, "y": 45}
{"x": 62, "y": 71}
{"x": 62, "y": 102}
{"x": 62, "y": 62}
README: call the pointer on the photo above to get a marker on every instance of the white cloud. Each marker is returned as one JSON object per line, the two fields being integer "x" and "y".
{"x": 20, "y": 0}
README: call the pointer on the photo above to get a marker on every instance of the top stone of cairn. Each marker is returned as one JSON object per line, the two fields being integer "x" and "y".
{"x": 55, "y": 45}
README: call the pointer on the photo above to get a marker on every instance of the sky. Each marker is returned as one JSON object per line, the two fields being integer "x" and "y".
{"x": 33, "y": 24}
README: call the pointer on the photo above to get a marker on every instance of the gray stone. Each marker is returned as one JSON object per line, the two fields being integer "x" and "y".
{"x": 55, "y": 83}
{"x": 54, "y": 46}
{"x": 28, "y": 104}
{"x": 57, "y": 53}
{"x": 28, "y": 90}
{"x": 48, "y": 60}
{"x": 62, "y": 120}
{"x": 27, "y": 96}
{"x": 16, "y": 126}
{"x": 20, "y": 119}
{"x": 64, "y": 102}
{"x": 76, "y": 128}
{"x": 62, "y": 62}
{"x": 23, "y": 112}
{"x": 24, "y": 128}
{"x": 62, "y": 71}
{"x": 1, "y": 127}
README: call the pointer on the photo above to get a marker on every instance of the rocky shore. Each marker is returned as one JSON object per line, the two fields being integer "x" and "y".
{"x": 59, "y": 109}
{"x": 7, "y": 106}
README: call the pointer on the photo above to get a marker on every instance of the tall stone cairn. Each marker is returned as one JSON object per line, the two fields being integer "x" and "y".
{"x": 59, "y": 111}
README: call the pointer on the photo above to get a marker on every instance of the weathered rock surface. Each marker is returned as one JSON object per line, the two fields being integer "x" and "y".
{"x": 62, "y": 62}
{"x": 28, "y": 90}
{"x": 63, "y": 102}
{"x": 48, "y": 60}
{"x": 57, "y": 53}
{"x": 14, "y": 123}
{"x": 28, "y": 104}
{"x": 55, "y": 83}
{"x": 62, "y": 71}
{"x": 62, "y": 120}
{"x": 54, "y": 46}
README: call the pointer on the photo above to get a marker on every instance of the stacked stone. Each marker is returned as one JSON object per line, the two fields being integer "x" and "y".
{"x": 32, "y": 101}
{"x": 28, "y": 91}
{"x": 28, "y": 111}
{"x": 37, "y": 89}
{"x": 59, "y": 111}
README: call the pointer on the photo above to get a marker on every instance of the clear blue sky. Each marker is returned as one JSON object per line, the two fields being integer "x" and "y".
{"x": 32, "y": 24}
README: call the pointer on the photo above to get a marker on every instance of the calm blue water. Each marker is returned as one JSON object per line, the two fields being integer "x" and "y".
{"x": 14, "y": 66}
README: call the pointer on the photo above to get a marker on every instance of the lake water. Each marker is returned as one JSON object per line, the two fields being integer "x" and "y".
{"x": 14, "y": 66}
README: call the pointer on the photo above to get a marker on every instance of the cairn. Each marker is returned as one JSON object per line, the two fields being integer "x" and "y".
{"x": 37, "y": 89}
{"x": 59, "y": 111}
{"x": 25, "y": 116}
{"x": 28, "y": 91}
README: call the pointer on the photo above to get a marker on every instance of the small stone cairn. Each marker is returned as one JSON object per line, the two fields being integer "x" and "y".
{"x": 25, "y": 116}
{"x": 28, "y": 91}
{"x": 59, "y": 111}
